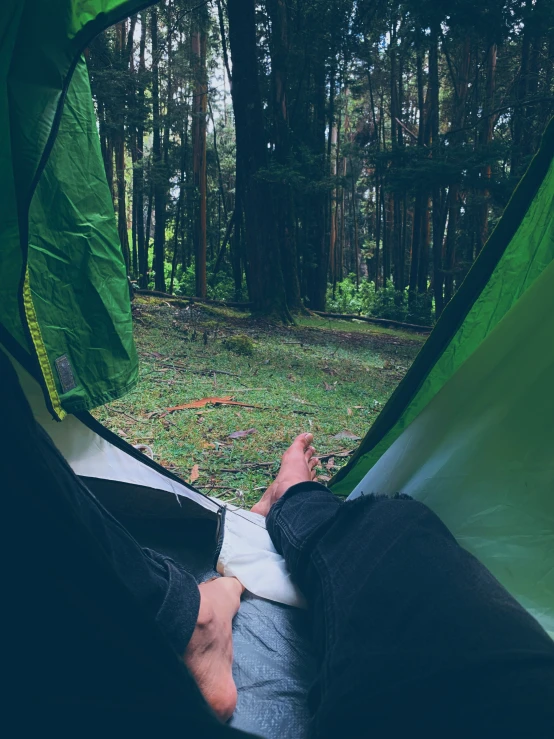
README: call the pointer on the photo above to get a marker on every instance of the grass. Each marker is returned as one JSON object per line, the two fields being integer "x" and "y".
{"x": 328, "y": 377}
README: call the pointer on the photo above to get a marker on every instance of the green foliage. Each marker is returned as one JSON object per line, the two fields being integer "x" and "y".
{"x": 184, "y": 283}
{"x": 384, "y": 303}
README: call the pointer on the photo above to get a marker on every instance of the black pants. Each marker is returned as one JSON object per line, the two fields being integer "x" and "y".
{"x": 414, "y": 636}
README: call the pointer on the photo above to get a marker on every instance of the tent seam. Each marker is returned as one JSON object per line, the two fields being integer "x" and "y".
{"x": 40, "y": 349}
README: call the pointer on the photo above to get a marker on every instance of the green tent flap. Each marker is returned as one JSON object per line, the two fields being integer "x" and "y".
{"x": 64, "y": 292}
{"x": 519, "y": 249}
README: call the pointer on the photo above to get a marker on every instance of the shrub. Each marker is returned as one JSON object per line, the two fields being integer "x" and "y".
{"x": 384, "y": 303}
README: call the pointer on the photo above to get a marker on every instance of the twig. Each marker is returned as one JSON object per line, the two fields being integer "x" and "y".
{"x": 411, "y": 133}
{"x": 217, "y": 487}
{"x": 341, "y": 453}
{"x": 378, "y": 321}
{"x": 123, "y": 413}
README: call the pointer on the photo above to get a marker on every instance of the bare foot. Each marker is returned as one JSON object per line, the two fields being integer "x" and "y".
{"x": 298, "y": 465}
{"x": 209, "y": 654}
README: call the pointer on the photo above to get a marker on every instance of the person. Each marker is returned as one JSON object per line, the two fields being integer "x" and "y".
{"x": 412, "y": 634}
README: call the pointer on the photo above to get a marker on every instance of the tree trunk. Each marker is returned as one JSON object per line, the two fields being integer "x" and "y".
{"x": 419, "y": 265}
{"x": 355, "y": 218}
{"x": 199, "y": 108}
{"x": 180, "y": 201}
{"x": 123, "y": 51}
{"x": 263, "y": 265}
{"x": 377, "y": 231}
{"x": 138, "y": 172}
{"x": 438, "y": 229}
{"x": 333, "y": 207}
{"x": 279, "y": 51}
{"x": 485, "y": 141}
{"x": 158, "y": 169}
{"x": 518, "y": 120}
{"x": 454, "y": 193}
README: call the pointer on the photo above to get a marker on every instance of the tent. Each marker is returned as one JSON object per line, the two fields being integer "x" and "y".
{"x": 468, "y": 431}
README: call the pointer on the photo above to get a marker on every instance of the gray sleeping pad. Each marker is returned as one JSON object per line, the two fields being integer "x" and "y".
{"x": 274, "y": 664}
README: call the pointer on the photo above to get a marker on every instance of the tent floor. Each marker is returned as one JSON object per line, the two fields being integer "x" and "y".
{"x": 274, "y": 664}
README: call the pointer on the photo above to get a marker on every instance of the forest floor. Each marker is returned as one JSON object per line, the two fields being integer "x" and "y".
{"x": 325, "y": 376}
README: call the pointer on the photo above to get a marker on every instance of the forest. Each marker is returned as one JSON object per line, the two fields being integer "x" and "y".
{"x": 303, "y": 155}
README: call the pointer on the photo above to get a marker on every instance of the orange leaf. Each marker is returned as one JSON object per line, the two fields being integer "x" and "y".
{"x": 200, "y": 403}
{"x": 227, "y": 400}
{"x": 194, "y": 474}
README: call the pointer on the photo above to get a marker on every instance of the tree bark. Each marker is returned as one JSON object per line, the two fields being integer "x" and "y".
{"x": 279, "y": 51}
{"x": 454, "y": 191}
{"x": 263, "y": 264}
{"x": 158, "y": 169}
{"x": 138, "y": 172}
{"x": 438, "y": 220}
{"x": 123, "y": 52}
{"x": 485, "y": 141}
{"x": 199, "y": 109}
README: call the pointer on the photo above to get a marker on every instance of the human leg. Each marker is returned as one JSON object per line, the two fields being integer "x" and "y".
{"x": 42, "y": 488}
{"x": 413, "y": 633}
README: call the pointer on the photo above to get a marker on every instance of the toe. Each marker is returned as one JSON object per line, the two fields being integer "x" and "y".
{"x": 308, "y": 454}
{"x": 303, "y": 440}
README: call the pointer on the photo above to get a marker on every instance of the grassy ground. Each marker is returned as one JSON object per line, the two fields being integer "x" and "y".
{"x": 328, "y": 377}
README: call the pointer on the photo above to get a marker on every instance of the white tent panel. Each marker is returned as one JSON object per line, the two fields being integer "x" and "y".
{"x": 92, "y": 456}
{"x": 247, "y": 551}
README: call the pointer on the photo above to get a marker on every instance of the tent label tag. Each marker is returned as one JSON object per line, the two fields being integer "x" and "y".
{"x": 65, "y": 373}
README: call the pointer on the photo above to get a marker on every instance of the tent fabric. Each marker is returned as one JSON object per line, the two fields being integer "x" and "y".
{"x": 481, "y": 454}
{"x": 520, "y": 247}
{"x": 138, "y": 485}
{"x": 248, "y": 554}
{"x": 64, "y": 296}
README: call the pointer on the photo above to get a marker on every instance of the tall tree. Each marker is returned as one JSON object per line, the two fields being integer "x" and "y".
{"x": 199, "y": 110}
{"x": 264, "y": 274}
{"x": 158, "y": 167}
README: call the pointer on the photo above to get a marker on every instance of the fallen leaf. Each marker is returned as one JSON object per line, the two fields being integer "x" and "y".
{"x": 207, "y": 445}
{"x": 242, "y": 434}
{"x": 349, "y": 411}
{"x": 346, "y": 435}
{"x": 324, "y": 478}
{"x": 327, "y": 386}
{"x": 122, "y": 433}
{"x": 194, "y": 474}
{"x": 203, "y": 402}
{"x": 200, "y": 403}
{"x": 330, "y": 463}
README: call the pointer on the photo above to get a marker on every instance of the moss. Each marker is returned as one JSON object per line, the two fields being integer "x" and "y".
{"x": 240, "y": 344}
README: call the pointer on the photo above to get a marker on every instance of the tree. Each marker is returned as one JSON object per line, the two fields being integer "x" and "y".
{"x": 264, "y": 274}
{"x": 199, "y": 109}
{"x": 158, "y": 166}
{"x": 380, "y": 140}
